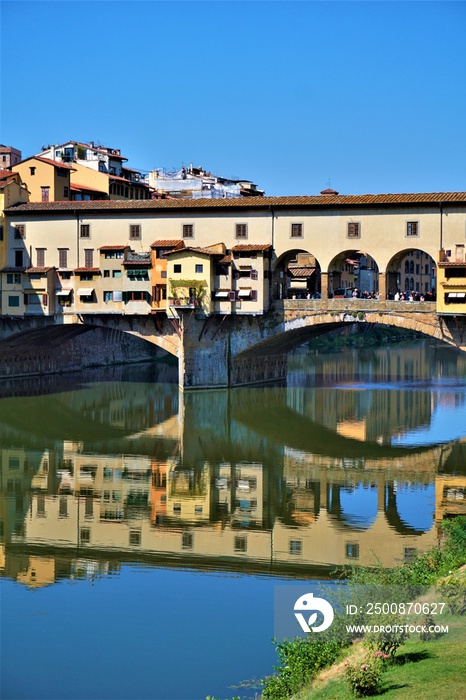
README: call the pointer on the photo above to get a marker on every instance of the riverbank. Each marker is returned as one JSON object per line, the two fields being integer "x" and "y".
{"x": 398, "y": 667}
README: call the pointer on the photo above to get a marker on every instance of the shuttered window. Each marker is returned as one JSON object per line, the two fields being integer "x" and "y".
{"x": 135, "y": 232}
{"x": 241, "y": 231}
{"x": 354, "y": 229}
{"x": 412, "y": 228}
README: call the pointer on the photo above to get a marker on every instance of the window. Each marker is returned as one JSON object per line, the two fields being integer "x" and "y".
{"x": 354, "y": 229}
{"x": 187, "y": 540}
{"x": 13, "y": 278}
{"x": 177, "y": 508}
{"x": 63, "y": 507}
{"x": 296, "y": 230}
{"x": 116, "y": 273}
{"x": 63, "y": 257}
{"x": 198, "y": 510}
{"x": 106, "y": 273}
{"x": 13, "y": 301}
{"x": 163, "y": 274}
{"x": 135, "y": 538}
{"x": 410, "y": 553}
{"x": 40, "y": 254}
{"x": 188, "y": 230}
{"x": 241, "y": 544}
{"x": 241, "y": 231}
{"x": 32, "y": 171}
{"x": 108, "y": 296}
{"x": 66, "y": 192}
{"x": 1, "y": 232}
{"x": 296, "y": 546}
{"x": 412, "y": 228}
{"x": 20, "y": 231}
{"x": 85, "y": 535}
{"x": 85, "y": 231}
{"x": 18, "y": 258}
{"x": 135, "y": 232}
{"x": 177, "y": 268}
{"x": 88, "y": 257}
{"x": 199, "y": 269}
{"x": 352, "y": 550}
{"x": 45, "y": 193}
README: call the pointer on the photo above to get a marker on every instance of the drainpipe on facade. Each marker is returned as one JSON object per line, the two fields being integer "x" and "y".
{"x": 77, "y": 237}
{"x": 441, "y": 224}
{"x": 273, "y": 250}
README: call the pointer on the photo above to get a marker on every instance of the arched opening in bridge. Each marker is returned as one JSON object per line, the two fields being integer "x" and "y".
{"x": 411, "y": 272}
{"x": 352, "y": 273}
{"x": 296, "y": 276}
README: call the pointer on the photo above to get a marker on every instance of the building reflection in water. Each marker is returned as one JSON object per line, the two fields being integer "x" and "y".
{"x": 290, "y": 481}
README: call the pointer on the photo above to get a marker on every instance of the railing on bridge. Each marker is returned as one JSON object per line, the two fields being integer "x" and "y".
{"x": 352, "y": 305}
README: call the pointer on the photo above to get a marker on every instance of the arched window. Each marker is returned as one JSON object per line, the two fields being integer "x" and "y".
{"x": 407, "y": 267}
{"x": 411, "y": 267}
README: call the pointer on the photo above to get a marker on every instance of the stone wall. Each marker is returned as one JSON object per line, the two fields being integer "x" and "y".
{"x": 70, "y": 349}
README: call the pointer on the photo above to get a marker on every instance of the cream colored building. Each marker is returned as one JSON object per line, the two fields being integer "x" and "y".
{"x": 329, "y": 228}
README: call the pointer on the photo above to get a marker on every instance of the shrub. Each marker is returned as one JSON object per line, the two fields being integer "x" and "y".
{"x": 365, "y": 678}
{"x": 300, "y": 660}
{"x": 390, "y": 635}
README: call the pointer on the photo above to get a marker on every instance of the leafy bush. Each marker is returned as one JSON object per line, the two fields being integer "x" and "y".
{"x": 390, "y": 635}
{"x": 300, "y": 660}
{"x": 365, "y": 678}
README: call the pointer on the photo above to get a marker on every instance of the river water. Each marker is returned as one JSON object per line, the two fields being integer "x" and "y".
{"x": 143, "y": 531}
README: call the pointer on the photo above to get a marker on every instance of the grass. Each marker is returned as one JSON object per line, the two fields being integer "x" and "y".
{"x": 421, "y": 671}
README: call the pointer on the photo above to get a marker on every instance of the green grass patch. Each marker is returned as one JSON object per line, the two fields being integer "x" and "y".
{"x": 421, "y": 671}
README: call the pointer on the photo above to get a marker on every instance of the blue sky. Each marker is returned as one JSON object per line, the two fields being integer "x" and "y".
{"x": 366, "y": 96}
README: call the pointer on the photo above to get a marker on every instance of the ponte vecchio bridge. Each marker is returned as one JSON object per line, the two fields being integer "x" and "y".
{"x": 155, "y": 257}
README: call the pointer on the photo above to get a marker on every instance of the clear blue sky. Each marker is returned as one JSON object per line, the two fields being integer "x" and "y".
{"x": 370, "y": 96}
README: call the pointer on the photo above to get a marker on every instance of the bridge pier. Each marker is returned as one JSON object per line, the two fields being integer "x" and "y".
{"x": 214, "y": 353}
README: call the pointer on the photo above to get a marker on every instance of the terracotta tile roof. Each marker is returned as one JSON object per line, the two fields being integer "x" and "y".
{"x": 113, "y": 247}
{"x": 166, "y": 243}
{"x": 137, "y": 263}
{"x": 225, "y": 260}
{"x": 78, "y": 188}
{"x": 244, "y": 248}
{"x": 38, "y": 270}
{"x": 93, "y": 270}
{"x": 6, "y": 173}
{"x": 55, "y": 163}
{"x": 452, "y": 264}
{"x": 202, "y": 251}
{"x": 13, "y": 269}
{"x": 301, "y": 271}
{"x": 245, "y": 203}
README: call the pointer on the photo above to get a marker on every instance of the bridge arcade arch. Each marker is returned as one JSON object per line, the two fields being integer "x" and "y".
{"x": 296, "y": 275}
{"x": 352, "y": 269}
{"x": 411, "y": 270}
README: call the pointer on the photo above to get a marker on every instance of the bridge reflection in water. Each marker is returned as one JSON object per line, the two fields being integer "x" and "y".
{"x": 284, "y": 480}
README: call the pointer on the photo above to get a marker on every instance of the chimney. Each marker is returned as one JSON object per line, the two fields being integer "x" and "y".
{"x": 329, "y": 192}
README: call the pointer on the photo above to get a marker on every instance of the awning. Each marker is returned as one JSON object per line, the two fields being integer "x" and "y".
{"x": 244, "y": 293}
{"x": 221, "y": 295}
{"x": 63, "y": 293}
{"x": 85, "y": 292}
